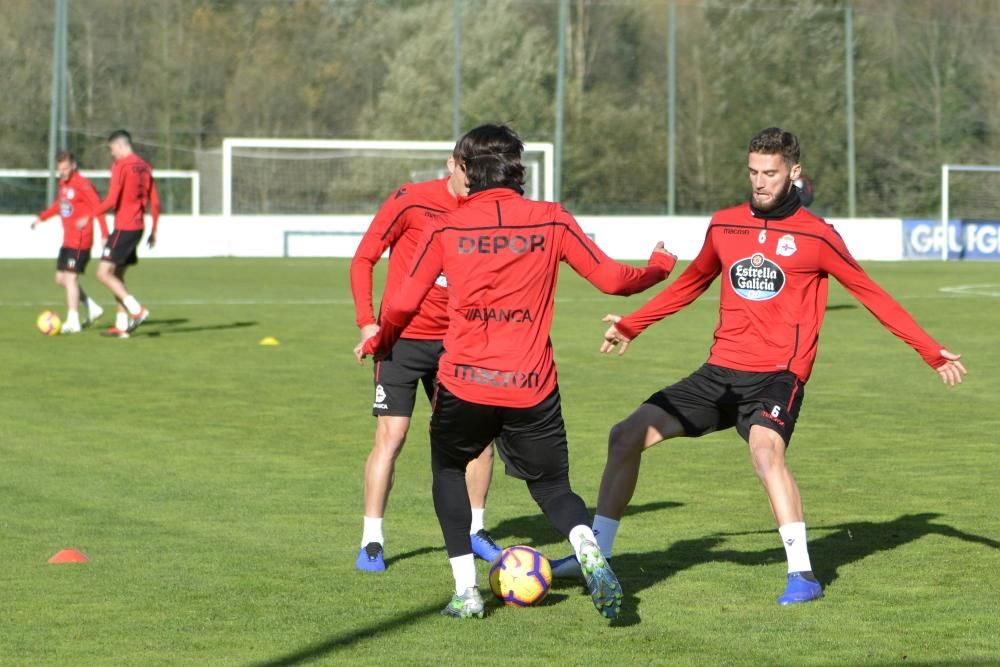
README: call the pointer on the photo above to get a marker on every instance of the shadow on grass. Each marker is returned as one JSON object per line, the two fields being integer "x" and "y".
{"x": 537, "y": 529}
{"x": 846, "y": 544}
{"x": 320, "y": 649}
{"x": 168, "y": 328}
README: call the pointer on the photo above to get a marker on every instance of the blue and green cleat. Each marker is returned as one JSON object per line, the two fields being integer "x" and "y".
{"x": 467, "y": 605}
{"x": 605, "y": 591}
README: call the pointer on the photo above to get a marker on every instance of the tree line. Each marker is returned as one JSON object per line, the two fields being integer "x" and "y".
{"x": 183, "y": 74}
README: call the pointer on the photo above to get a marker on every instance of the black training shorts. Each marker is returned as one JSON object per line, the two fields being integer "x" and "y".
{"x": 531, "y": 441}
{"x": 121, "y": 247}
{"x": 411, "y": 362}
{"x": 73, "y": 260}
{"x": 714, "y": 398}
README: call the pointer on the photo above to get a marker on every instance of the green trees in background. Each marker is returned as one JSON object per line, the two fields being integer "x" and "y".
{"x": 183, "y": 74}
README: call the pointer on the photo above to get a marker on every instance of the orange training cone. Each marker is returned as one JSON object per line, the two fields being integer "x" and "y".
{"x": 69, "y": 556}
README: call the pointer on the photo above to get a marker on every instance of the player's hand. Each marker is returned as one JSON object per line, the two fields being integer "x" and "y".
{"x": 151, "y": 241}
{"x": 952, "y": 370}
{"x": 368, "y": 331}
{"x": 35, "y": 223}
{"x": 82, "y": 222}
{"x": 662, "y": 249}
{"x": 359, "y": 353}
{"x": 613, "y": 337}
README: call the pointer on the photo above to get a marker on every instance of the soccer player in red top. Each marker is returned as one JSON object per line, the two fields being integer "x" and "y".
{"x": 501, "y": 254}
{"x": 132, "y": 194}
{"x": 774, "y": 257}
{"x": 397, "y": 227}
{"x": 75, "y": 203}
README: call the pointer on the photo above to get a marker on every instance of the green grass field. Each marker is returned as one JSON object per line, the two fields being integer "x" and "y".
{"x": 216, "y": 484}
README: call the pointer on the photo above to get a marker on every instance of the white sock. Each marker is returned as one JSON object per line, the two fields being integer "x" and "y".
{"x": 121, "y": 321}
{"x": 605, "y": 529}
{"x": 793, "y": 536}
{"x": 131, "y": 305}
{"x": 463, "y": 568}
{"x": 93, "y": 305}
{"x": 372, "y": 531}
{"x": 73, "y": 318}
{"x": 578, "y": 535}
{"x": 477, "y": 520}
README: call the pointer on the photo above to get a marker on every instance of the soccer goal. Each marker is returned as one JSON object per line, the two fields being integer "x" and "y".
{"x": 32, "y": 184}
{"x": 970, "y": 208}
{"x": 343, "y": 176}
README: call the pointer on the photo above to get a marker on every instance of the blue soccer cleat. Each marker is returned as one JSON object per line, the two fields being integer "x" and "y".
{"x": 801, "y": 587}
{"x": 602, "y": 584}
{"x": 370, "y": 558}
{"x": 483, "y": 546}
{"x": 566, "y": 568}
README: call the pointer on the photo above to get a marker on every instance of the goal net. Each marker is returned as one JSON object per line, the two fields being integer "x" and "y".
{"x": 25, "y": 191}
{"x": 970, "y": 211}
{"x": 343, "y": 177}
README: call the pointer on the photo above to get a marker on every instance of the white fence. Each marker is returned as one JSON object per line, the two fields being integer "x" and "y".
{"x": 338, "y": 236}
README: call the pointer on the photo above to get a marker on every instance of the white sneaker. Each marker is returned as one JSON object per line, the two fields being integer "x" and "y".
{"x": 93, "y": 314}
{"x": 70, "y": 329}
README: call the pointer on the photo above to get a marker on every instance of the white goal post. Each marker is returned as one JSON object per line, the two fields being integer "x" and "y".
{"x": 539, "y": 158}
{"x": 158, "y": 174}
{"x": 947, "y": 209}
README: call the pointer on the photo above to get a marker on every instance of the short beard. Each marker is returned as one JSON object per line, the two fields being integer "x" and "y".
{"x": 774, "y": 202}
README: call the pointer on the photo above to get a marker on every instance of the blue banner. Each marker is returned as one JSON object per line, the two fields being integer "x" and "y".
{"x": 967, "y": 239}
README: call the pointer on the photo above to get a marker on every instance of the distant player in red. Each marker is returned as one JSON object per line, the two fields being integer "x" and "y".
{"x": 75, "y": 204}
{"x": 397, "y": 227}
{"x": 775, "y": 258}
{"x": 132, "y": 194}
{"x": 501, "y": 255}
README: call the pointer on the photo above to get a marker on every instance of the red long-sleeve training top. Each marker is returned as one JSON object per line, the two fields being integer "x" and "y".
{"x": 501, "y": 254}
{"x": 397, "y": 227}
{"x": 774, "y": 290}
{"x": 76, "y": 199}
{"x": 132, "y": 194}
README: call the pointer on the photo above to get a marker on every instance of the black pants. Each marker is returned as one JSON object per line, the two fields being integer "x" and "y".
{"x": 532, "y": 442}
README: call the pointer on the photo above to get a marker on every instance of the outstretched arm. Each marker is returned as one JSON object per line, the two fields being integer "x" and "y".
{"x": 688, "y": 287}
{"x": 607, "y": 275}
{"x": 836, "y": 260}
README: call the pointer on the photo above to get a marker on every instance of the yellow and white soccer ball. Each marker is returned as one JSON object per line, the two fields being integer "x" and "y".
{"x": 521, "y": 576}
{"x": 49, "y": 323}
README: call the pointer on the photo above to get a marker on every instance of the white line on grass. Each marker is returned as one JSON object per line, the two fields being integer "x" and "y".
{"x": 988, "y": 289}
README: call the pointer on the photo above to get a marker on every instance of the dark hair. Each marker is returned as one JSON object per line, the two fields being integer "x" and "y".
{"x": 120, "y": 134}
{"x": 65, "y": 156}
{"x": 774, "y": 140}
{"x": 491, "y": 155}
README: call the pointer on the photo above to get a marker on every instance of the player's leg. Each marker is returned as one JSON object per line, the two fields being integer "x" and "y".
{"x": 459, "y": 432}
{"x": 685, "y": 408}
{"x": 107, "y": 275}
{"x": 94, "y": 310}
{"x": 68, "y": 279}
{"x": 534, "y": 447}
{"x": 478, "y": 476}
{"x": 767, "y": 421}
{"x": 395, "y": 384}
{"x": 380, "y": 470}
{"x": 119, "y": 254}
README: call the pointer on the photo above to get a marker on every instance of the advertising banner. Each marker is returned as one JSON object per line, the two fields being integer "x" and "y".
{"x": 967, "y": 239}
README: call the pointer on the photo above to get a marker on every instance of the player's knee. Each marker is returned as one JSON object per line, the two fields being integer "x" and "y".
{"x": 59, "y": 278}
{"x": 767, "y": 455}
{"x": 390, "y": 435}
{"x": 624, "y": 441}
